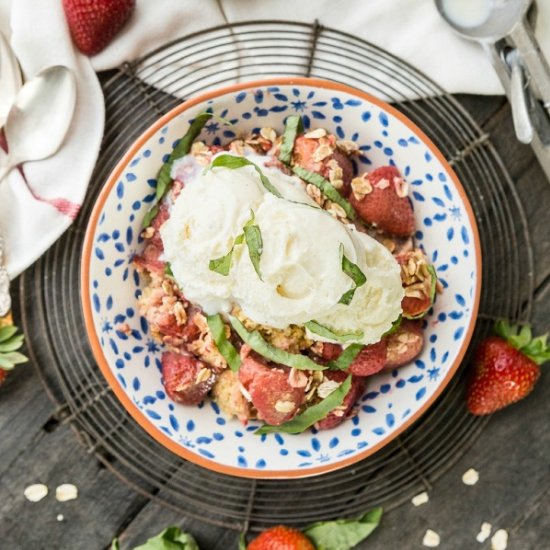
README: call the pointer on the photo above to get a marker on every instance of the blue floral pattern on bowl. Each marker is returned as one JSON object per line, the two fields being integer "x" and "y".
{"x": 131, "y": 358}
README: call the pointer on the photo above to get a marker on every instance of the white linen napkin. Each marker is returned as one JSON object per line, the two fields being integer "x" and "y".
{"x": 35, "y": 212}
{"x": 39, "y": 35}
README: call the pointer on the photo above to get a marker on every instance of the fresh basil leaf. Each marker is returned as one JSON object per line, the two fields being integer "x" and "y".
{"x": 226, "y": 348}
{"x": 242, "y": 542}
{"x": 395, "y": 325}
{"x": 222, "y": 265}
{"x": 172, "y": 538}
{"x": 256, "y": 341}
{"x": 312, "y": 414}
{"x": 293, "y": 127}
{"x": 150, "y": 216}
{"x": 343, "y": 534}
{"x": 164, "y": 178}
{"x": 253, "y": 237}
{"x": 168, "y": 270}
{"x": 233, "y": 162}
{"x": 325, "y": 332}
{"x": 356, "y": 275}
{"x": 7, "y": 332}
{"x": 433, "y": 286}
{"x": 346, "y": 358}
{"x": 327, "y": 189}
{"x": 13, "y": 357}
{"x": 5, "y": 364}
{"x": 12, "y": 344}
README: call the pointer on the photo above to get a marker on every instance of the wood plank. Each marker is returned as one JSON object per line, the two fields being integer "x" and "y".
{"x": 24, "y": 410}
{"x": 104, "y": 502}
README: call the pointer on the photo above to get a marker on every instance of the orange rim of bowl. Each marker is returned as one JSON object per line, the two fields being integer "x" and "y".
{"x": 138, "y": 416}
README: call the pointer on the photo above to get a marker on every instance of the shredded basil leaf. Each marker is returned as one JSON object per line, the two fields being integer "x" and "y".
{"x": 256, "y": 341}
{"x": 343, "y": 534}
{"x": 325, "y": 332}
{"x": 168, "y": 270}
{"x": 150, "y": 216}
{"x": 395, "y": 325}
{"x": 346, "y": 358}
{"x": 164, "y": 178}
{"x": 312, "y": 414}
{"x": 225, "y": 347}
{"x": 222, "y": 265}
{"x": 354, "y": 272}
{"x": 293, "y": 127}
{"x": 254, "y": 242}
{"x": 232, "y": 162}
{"x": 433, "y": 285}
{"x": 327, "y": 189}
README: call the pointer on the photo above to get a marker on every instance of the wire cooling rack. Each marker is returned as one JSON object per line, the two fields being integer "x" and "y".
{"x": 136, "y": 95}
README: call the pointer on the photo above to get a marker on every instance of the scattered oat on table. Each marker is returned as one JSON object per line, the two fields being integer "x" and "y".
{"x": 431, "y": 539}
{"x": 484, "y": 532}
{"x": 60, "y": 517}
{"x": 36, "y": 492}
{"x": 470, "y": 477}
{"x": 499, "y": 541}
{"x": 421, "y": 498}
{"x": 66, "y": 492}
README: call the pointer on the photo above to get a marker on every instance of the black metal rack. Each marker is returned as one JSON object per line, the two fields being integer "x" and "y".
{"x": 135, "y": 96}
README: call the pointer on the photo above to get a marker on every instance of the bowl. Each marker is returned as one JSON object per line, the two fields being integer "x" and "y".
{"x": 130, "y": 358}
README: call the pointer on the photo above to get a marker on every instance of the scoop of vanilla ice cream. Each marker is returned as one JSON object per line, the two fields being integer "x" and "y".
{"x": 300, "y": 265}
{"x": 377, "y": 303}
{"x": 204, "y": 222}
{"x": 290, "y": 187}
{"x": 301, "y": 259}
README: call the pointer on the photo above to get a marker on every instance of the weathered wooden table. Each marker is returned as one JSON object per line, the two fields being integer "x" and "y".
{"x": 512, "y": 454}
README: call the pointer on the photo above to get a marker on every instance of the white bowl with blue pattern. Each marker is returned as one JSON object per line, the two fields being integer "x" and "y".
{"x": 393, "y": 400}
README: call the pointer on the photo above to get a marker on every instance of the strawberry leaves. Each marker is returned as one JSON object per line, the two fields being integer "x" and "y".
{"x": 521, "y": 338}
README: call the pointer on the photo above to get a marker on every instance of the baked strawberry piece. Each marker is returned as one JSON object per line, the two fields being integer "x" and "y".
{"x": 275, "y": 399}
{"x": 186, "y": 379}
{"x": 419, "y": 281}
{"x": 339, "y": 414}
{"x": 321, "y": 155}
{"x": 404, "y": 344}
{"x": 380, "y": 198}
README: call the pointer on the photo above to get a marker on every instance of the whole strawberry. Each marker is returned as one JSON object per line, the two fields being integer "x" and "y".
{"x": 506, "y": 368}
{"x": 281, "y": 538}
{"x": 94, "y": 23}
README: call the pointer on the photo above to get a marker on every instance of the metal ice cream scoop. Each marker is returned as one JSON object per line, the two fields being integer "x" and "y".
{"x": 502, "y": 27}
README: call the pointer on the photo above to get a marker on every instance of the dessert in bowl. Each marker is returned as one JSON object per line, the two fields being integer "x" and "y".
{"x": 264, "y": 305}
